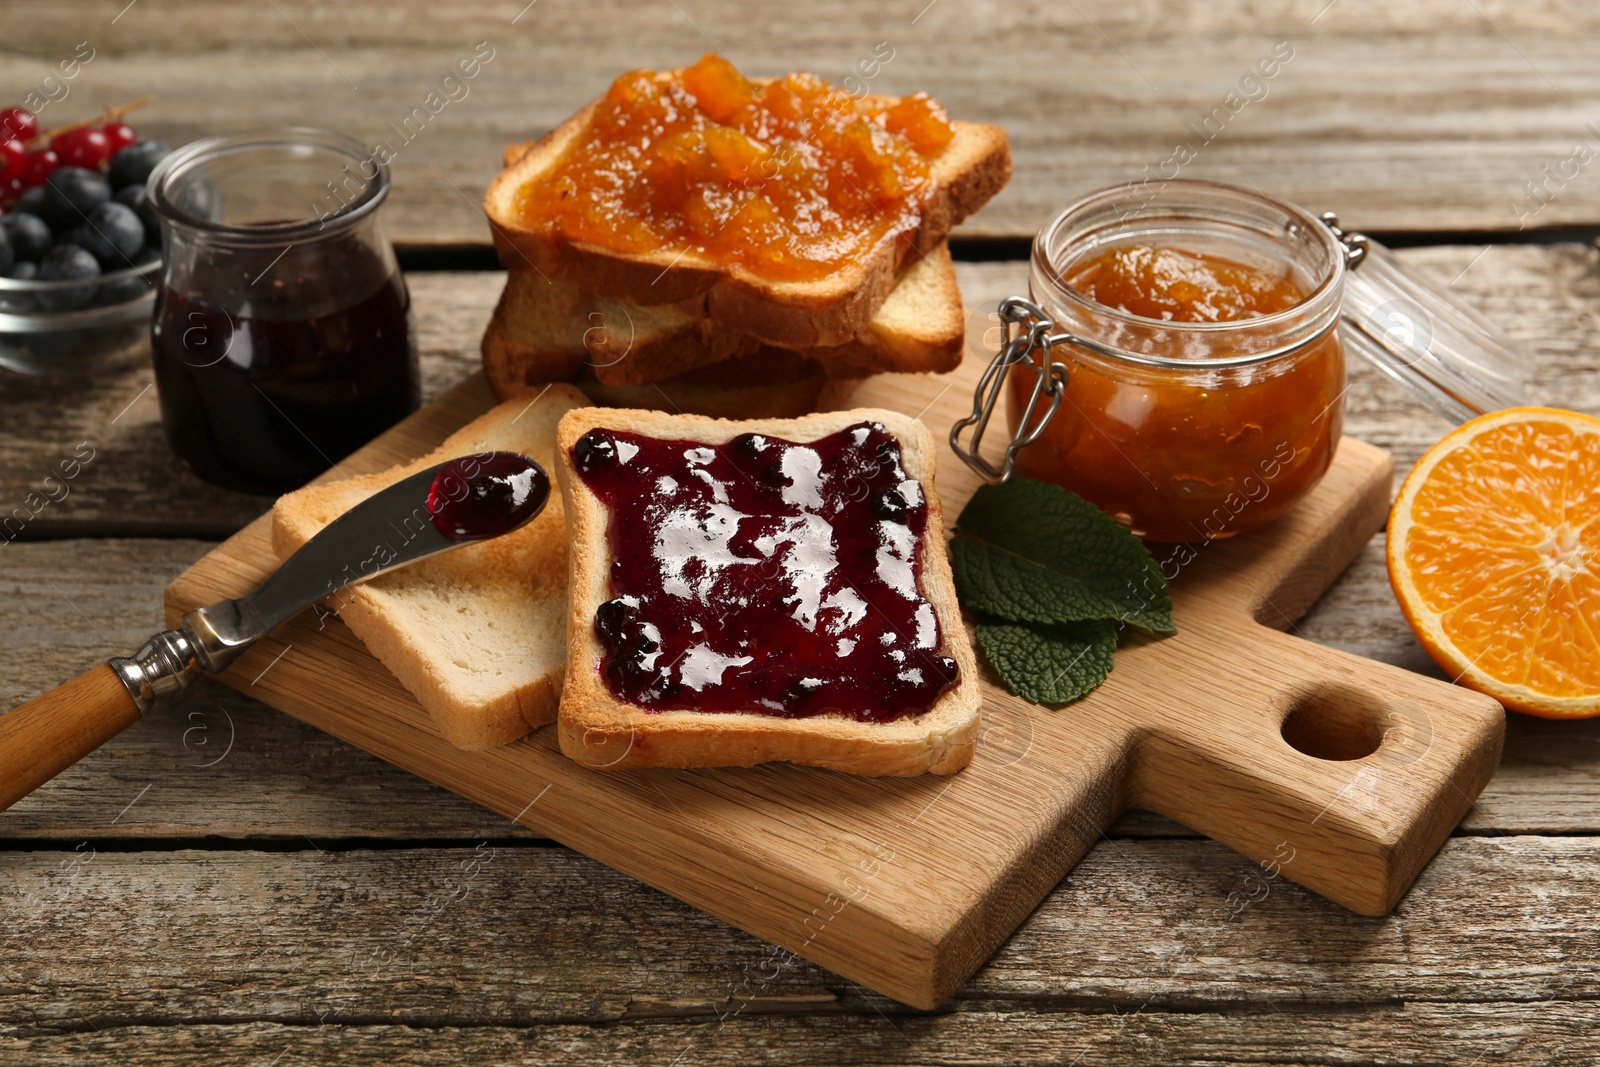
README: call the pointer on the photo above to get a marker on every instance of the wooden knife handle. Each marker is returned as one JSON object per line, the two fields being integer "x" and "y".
{"x": 48, "y": 734}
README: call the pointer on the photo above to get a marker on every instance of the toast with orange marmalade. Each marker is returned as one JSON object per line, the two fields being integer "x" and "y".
{"x": 784, "y": 208}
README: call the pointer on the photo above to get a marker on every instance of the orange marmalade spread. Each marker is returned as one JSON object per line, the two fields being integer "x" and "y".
{"x": 1181, "y": 455}
{"x": 1179, "y": 286}
{"x": 791, "y": 179}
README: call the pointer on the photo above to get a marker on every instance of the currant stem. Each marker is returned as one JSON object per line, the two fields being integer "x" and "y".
{"x": 110, "y": 114}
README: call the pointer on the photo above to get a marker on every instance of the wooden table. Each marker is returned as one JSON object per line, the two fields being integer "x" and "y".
{"x": 222, "y": 882}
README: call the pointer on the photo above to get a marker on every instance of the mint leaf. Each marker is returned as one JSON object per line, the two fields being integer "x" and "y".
{"x": 1051, "y": 665}
{"x": 1029, "y": 551}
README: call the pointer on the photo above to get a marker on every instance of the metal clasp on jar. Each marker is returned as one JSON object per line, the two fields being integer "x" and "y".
{"x": 1355, "y": 244}
{"x": 1037, "y": 334}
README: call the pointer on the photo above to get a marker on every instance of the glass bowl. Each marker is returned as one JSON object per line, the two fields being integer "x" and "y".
{"x": 69, "y": 327}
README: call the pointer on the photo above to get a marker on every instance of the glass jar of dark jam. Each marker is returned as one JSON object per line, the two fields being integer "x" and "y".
{"x": 282, "y": 333}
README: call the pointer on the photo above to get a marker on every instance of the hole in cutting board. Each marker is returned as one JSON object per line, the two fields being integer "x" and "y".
{"x": 1335, "y": 722}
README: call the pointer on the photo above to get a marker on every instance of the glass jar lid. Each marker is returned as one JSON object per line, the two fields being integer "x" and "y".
{"x": 1439, "y": 348}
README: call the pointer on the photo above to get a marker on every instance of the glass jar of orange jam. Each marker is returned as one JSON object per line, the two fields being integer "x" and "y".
{"x": 1212, "y": 399}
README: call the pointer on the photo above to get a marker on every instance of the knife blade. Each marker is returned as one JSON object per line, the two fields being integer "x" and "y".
{"x": 458, "y": 502}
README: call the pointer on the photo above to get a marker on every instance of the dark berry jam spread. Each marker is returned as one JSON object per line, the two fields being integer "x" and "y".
{"x": 762, "y": 575}
{"x": 486, "y": 495}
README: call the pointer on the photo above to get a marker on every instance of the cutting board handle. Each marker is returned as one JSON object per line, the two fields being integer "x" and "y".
{"x": 50, "y": 733}
{"x": 1331, "y": 771}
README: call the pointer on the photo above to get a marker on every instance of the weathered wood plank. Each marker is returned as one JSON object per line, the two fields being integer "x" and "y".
{"x": 212, "y": 763}
{"x": 1427, "y": 116}
{"x": 1552, "y": 1034}
{"x": 1547, "y": 297}
{"x": 220, "y": 766}
{"x": 518, "y": 936}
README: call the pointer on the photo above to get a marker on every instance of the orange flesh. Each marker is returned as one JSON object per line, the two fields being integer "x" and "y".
{"x": 1504, "y": 550}
{"x": 1173, "y": 459}
{"x": 791, "y": 180}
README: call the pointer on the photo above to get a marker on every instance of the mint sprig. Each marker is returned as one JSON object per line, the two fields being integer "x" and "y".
{"x": 1030, "y": 551}
{"x": 1050, "y": 664}
{"x": 1051, "y": 576}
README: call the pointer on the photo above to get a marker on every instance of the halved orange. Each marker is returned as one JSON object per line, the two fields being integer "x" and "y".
{"x": 1494, "y": 555}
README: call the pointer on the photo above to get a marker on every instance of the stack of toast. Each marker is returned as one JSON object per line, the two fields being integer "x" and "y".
{"x": 499, "y": 638}
{"x": 681, "y": 331}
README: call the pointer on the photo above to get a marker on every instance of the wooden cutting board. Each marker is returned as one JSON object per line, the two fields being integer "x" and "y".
{"x": 1333, "y": 771}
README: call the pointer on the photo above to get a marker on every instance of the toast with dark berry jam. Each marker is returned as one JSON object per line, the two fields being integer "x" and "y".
{"x": 755, "y": 590}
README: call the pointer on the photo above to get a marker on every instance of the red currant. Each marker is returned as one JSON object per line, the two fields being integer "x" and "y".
{"x": 83, "y": 147}
{"x": 42, "y": 163}
{"x": 13, "y": 158}
{"x": 10, "y": 189}
{"x": 120, "y": 134}
{"x": 18, "y": 122}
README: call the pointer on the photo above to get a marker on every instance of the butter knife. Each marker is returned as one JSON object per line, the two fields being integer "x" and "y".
{"x": 458, "y": 502}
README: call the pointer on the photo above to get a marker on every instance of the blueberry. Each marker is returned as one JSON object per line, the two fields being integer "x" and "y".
{"x": 622, "y": 673}
{"x": 113, "y": 234}
{"x": 29, "y": 236}
{"x": 594, "y": 451}
{"x": 7, "y": 257}
{"x": 61, "y": 263}
{"x": 749, "y": 445}
{"x": 643, "y": 645}
{"x": 23, "y": 270}
{"x": 67, "y": 261}
{"x": 31, "y": 201}
{"x": 126, "y": 290}
{"x": 117, "y": 227}
{"x": 147, "y": 254}
{"x": 85, "y": 238}
{"x": 772, "y": 475}
{"x": 613, "y": 616}
{"x": 135, "y": 197}
{"x": 71, "y": 195}
{"x": 629, "y": 676}
{"x": 890, "y": 506}
{"x": 132, "y": 165}
{"x": 758, "y": 458}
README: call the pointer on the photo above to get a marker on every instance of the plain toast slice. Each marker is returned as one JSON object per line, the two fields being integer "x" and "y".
{"x": 546, "y": 329}
{"x": 477, "y": 634}
{"x": 970, "y": 170}
{"x": 599, "y": 730}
